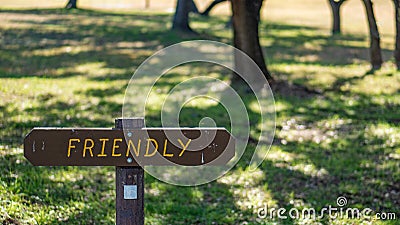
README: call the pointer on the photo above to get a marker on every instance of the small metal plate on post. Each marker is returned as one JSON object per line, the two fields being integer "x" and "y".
{"x": 130, "y": 192}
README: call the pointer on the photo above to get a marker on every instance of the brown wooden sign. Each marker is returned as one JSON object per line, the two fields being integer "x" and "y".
{"x": 116, "y": 147}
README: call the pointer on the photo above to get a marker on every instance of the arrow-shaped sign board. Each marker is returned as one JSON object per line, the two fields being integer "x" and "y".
{"x": 116, "y": 147}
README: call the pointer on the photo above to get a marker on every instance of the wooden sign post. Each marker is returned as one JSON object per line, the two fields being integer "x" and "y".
{"x": 124, "y": 146}
{"x": 129, "y": 184}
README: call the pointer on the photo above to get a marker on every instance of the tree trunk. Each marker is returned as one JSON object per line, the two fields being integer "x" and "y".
{"x": 193, "y": 7}
{"x": 181, "y": 17}
{"x": 375, "y": 46}
{"x": 397, "y": 20}
{"x": 71, "y": 4}
{"x": 246, "y": 18}
{"x": 335, "y": 8}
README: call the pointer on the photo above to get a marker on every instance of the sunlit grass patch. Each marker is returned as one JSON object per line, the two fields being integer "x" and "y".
{"x": 71, "y": 68}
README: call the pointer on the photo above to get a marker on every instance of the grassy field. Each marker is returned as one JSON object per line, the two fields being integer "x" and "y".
{"x": 71, "y": 68}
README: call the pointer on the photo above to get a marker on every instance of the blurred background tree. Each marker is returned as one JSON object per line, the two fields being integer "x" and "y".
{"x": 335, "y": 8}
{"x": 397, "y": 40}
{"x": 375, "y": 51}
{"x": 181, "y": 16}
{"x": 246, "y": 18}
{"x": 71, "y": 4}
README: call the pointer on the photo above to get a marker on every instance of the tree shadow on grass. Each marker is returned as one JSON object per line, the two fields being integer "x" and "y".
{"x": 356, "y": 174}
{"x": 353, "y": 163}
{"x": 62, "y": 41}
{"x": 347, "y": 167}
{"x": 71, "y": 195}
{"x": 292, "y": 44}
{"x": 58, "y": 113}
{"x": 206, "y": 204}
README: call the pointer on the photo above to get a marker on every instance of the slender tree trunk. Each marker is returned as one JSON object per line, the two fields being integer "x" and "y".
{"x": 181, "y": 17}
{"x": 211, "y": 6}
{"x": 71, "y": 4}
{"x": 246, "y": 18}
{"x": 397, "y": 19}
{"x": 375, "y": 46}
{"x": 335, "y": 8}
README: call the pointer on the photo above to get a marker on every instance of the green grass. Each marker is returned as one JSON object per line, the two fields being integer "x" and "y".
{"x": 71, "y": 68}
